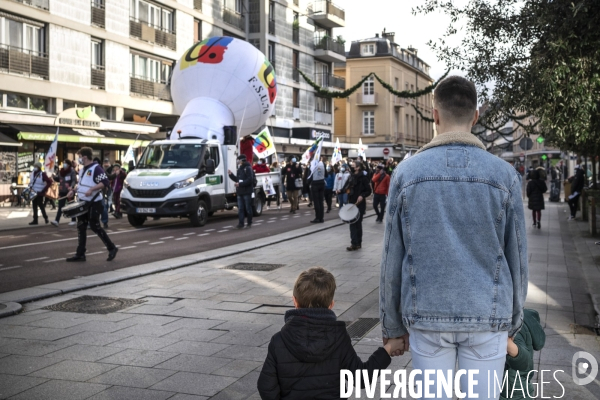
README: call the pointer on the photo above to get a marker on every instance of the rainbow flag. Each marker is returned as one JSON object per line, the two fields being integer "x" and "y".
{"x": 310, "y": 152}
{"x": 263, "y": 144}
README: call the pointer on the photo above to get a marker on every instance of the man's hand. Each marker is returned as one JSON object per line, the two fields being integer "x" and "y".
{"x": 89, "y": 193}
{"x": 398, "y": 352}
{"x": 229, "y": 171}
{"x": 360, "y": 198}
{"x": 237, "y": 184}
{"x": 70, "y": 194}
{"x": 512, "y": 349}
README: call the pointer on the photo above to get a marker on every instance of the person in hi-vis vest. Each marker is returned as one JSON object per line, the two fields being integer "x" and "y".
{"x": 92, "y": 179}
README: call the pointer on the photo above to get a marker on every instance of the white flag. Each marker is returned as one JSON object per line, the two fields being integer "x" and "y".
{"x": 362, "y": 150}
{"x": 50, "y": 160}
{"x": 337, "y": 152}
{"x": 317, "y": 158}
{"x": 407, "y": 156}
{"x": 310, "y": 151}
{"x": 129, "y": 155}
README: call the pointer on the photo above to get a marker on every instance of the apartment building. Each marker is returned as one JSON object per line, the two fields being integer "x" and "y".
{"x": 116, "y": 57}
{"x": 389, "y": 125}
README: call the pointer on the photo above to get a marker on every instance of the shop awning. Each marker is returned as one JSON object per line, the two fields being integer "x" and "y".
{"x": 44, "y": 133}
{"x": 6, "y": 141}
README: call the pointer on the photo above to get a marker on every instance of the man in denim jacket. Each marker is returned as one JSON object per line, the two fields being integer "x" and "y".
{"x": 454, "y": 266}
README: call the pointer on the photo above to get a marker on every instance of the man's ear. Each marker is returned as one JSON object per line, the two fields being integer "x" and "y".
{"x": 295, "y": 302}
{"x": 476, "y": 118}
{"x": 436, "y": 116}
{"x": 332, "y": 304}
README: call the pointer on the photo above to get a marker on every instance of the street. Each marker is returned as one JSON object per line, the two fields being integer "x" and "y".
{"x": 36, "y": 256}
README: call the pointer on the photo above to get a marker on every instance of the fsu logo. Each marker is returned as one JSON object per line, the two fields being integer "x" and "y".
{"x": 267, "y": 77}
{"x": 208, "y": 51}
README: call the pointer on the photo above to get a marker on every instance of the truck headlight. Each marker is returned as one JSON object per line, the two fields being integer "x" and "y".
{"x": 126, "y": 184}
{"x": 182, "y": 184}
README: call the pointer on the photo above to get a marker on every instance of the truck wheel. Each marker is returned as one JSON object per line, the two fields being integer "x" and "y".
{"x": 136, "y": 220}
{"x": 200, "y": 217}
{"x": 257, "y": 208}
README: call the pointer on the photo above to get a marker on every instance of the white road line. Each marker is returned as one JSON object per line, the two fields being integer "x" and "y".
{"x": 297, "y": 216}
{"x": 143, "y": 241}
{"x": 7, "y": 268}
{"x": 37, "y": 259}
{"x": 209, "y": 230}
{"x": 204, "y": 234}
{"x": 224, "y": 230}
{"x": 183, "y": 238}
{"x": 273, "y": 218}
{"x": 93, "y": 254}
{"x": 270, "y": 222}
{"x": 152, "y": 244}
{"x": 188, "y": 234}
{"x": 228, "y": 227}
{"x": 284, "y": 219}
{"x": 20, "y": 236}
{"x": 56, "y": 259}
{"x": 260, "y": 220}
{"x": 71, "y": 253}
{"x": 259, "y": 224}
{"x": 128, "y": 247}
{"x": 166, "y": 237}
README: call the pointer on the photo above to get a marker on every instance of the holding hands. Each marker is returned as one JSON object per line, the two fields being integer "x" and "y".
{"x": 396, "y": 346}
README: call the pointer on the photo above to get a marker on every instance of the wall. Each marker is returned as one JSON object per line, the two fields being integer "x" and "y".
{"x": 117, "y": 16}
{"x": 340, "y": 107}
{"x": 117, "y": 58}
{"x": 70, "y": 56}
{"x": 185, "y": 31}
{"x": 73, "y": 10}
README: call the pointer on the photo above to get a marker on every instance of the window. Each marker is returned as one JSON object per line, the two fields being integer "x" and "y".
{"x": 150, "y": 69}
{"x": 271, "y": 11}
{"x": 368, "y": 122}
{"x": 103, "y": 112}
{"x": 367, "y": 49}
{"x": 396, "y": 84}
{"x": 152, "y": 14}
{"x": 21, "y": 35}
{"x": 396, "y": 121}
{"x": 197, "y": 31}
{"x": 296, "y": 98}
{"x": 97, "y": 53}
{"x": 15, "y": 100}
{"x": 406, "y": 127}
{"x": 271, "y": 54}
{"x": 369, "y": 87}
{"x": 322, "y": 105}
{"x": 239, "y": 6}
{"x": 212, "y": 152}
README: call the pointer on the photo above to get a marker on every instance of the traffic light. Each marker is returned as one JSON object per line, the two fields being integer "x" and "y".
{"x": 544, "y": 157}
{"x": 540, "y": 140}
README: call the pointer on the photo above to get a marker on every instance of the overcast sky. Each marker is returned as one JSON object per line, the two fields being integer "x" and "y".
{"x": 364, "y": 18}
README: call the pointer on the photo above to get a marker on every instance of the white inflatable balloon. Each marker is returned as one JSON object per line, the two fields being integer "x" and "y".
{"x": 219, "y": 82}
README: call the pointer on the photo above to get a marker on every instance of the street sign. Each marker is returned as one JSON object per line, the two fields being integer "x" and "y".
{"x": 526, "y": 144}
{"x": 386, "y": 151}
{"x": 540, "y": 140}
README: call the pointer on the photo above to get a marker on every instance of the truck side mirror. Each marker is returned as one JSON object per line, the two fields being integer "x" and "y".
{"x": 210, "y": 166}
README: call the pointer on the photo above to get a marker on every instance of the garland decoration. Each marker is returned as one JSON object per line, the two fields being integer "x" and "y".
{"x": 407, "y": 94}
{"x": 334, "y": 94}
{"x": 424, "y": 118}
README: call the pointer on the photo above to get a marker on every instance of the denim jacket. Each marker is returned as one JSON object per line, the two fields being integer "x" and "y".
{"x": 455, "y": 248}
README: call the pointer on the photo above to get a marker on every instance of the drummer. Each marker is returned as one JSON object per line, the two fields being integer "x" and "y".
{"x": 92, "y": 179}
{"x": 360, "y": 189}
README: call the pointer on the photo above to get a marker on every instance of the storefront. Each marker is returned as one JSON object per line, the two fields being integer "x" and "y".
{"x": 9, "y": 149}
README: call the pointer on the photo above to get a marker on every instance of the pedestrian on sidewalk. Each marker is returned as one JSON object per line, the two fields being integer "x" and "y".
{"x": 340, "y": 187}
{"x": 244, "y": 183}
{"x": 92, "y": 180}
{"x": 454, "y": 267}
{"x": 536, "y": 188}
{"x": 67, "y": 179}
{"x": 317, "y": 189}
{"x": 300, "y": 369}
{"x": 360, "y": 189}
{"x": 292, "y": 178}
{"x": 381, "y": 182}
{"x": 577, "y": 183}
{"x": 329, "y": 182}
{"x": 39, "y": 182}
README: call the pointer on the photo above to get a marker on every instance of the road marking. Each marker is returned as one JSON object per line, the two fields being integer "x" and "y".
{"x": 93, "y": 254}
{"x": 209, "y": 230}
{"x": 56, "y": 259}
{"x": 297, "y": 216}
{"x": 37, "y": 259}
{"x": 273, "y": 218}
{"x": 121, "y": 229}
{"x": 183, "y": 238}
{"x": 143, "y": 241}
{"x": 259, "y": 224}
{"x": 128, "y": 247}
{"x": 228, "y": 227}
{"x": 152, "y": 244}
{"x": 7, "y": 268}
{"x": 57, "y": 235}
{"x": 166, "y": 237}
{"x": 71, "y": 253}
{"x": 270, "y": 222}
{"x": 188, "y": 234}
{"x": 260, "y": 220}
{"x": 204, "y": 234}
{"x": 224, "y": 230}
{"x": 284, "y": 219}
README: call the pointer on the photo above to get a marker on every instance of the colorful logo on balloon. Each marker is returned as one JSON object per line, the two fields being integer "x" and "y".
{"x": 208, "y": 51}
{"x": 267, "y": 77}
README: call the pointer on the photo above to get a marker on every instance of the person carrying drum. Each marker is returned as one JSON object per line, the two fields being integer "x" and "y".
{"x": 67, "y": 179}
{"x": 360, "y": 189}
{"x": 39, "y": 183}
{"x": 92, "y": 180}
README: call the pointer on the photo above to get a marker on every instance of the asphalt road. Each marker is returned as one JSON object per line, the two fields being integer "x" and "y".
{"x": 30, "y": 257}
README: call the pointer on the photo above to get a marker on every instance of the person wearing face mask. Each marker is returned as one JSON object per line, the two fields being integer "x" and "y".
{"x": 329, "y": 182}
{"x": 244, "y": 184}
{"x": 39, "y": 183}
{"x": 360, "y": 189}
{"x": 67, "y": 179}
{"x": 316, "y": 181}
{"x": 340, "y": 186}
{"x": 381, "y": 186}
{"x": 290, "y": 174}
{"x": 261, "y": 167}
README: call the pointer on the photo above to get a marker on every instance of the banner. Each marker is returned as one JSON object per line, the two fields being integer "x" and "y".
{"x": 317, "y": 157}
{"x": 263, "y": 144}
{"x": 50, "y": 160}
{"x": 310, "y": 152}
{"x": 362, "y": 149}
{"x": 268, "y": 186}
{"x": 129, "y": 155}
{"x": 337, "y": 152}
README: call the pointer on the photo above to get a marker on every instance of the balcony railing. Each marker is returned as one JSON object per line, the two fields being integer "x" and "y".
{"x": 21, "y": 61}
{"x": 98, "y": 13}
{"x": 198, "y": 5}
{"x": 143, "y": 86}
{"x": 233, "y": 18}
{"x": 399, "y": 101}
{"x": 328, "y": 43}
{"x": 148, "y": 32}
{"x": 328, "y": 80}
{"x": 296, "y": 35}
{"x": 43, "y": 4}
{"x": 323, "y": 118}
{"x": 367, "y": 99}
{"x": 326, "y": 7}
{"x": 98, "y": 77}
{"x": 296, "y": 75}
{"x": 271, "y": 27}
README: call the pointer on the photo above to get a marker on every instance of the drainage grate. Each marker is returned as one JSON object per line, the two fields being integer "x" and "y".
{"x": 94, "y": 305}
{"x": 254, "y": 267}
{"x": 359, "y": 328}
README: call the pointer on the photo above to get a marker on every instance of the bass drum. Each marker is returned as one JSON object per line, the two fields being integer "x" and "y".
{"x": 75, "y": 209}
{"x": 28, "y": 194}
{"x": 349, "y": 213}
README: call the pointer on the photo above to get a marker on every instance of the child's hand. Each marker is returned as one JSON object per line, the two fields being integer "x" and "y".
{"x": 393, "y": 345}
{"x": 512, "y": 349}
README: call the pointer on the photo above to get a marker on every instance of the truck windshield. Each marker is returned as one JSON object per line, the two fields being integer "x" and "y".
{"x": 174, "y": 155}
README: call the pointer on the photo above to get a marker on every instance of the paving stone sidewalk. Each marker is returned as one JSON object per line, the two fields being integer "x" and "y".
{"x": 203, "y": 331}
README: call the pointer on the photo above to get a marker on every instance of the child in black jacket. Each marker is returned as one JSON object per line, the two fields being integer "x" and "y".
{"x": 306, "y": 356}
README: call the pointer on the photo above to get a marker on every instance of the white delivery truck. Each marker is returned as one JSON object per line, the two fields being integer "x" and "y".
{"x": 186, "y": 177}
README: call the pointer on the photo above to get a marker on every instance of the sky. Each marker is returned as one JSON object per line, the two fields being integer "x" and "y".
{"x": 364, "y": 18}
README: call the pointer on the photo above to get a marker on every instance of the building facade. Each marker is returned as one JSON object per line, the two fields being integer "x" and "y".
{"x": 389, "y": 125}
{"x": 116, "y": 57}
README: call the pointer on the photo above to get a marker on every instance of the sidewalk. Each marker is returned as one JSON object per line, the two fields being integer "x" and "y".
{"x": 202, "y": 331}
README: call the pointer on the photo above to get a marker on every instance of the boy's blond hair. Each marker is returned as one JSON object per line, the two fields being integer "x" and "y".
{"x": 314, "y": 288}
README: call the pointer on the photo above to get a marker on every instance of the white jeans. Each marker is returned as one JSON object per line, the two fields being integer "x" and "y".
{"x": 483, "y": 351}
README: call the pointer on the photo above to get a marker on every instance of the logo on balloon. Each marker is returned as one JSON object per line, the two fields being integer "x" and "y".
{"x": 208, "y": 51}
{"x": 267, "y": 77}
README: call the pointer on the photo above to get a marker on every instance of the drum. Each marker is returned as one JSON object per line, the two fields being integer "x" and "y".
{"x": 28, "y": 194}
{"x": 75, "y": 209}
{"x": 349, "y": 213}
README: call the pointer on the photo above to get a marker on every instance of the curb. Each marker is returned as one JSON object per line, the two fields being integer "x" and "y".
{"x": 9, "y": 308}
{"x": 59, "y": 288}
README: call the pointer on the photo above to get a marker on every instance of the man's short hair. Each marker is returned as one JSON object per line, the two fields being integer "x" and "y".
{"x": 456, "y": 98}
{"x": 86, "y": 152}
{"x": 314, "y": 288}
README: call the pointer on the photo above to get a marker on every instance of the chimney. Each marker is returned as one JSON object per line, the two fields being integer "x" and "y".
{"x": 391, "y": 36}
{"x": 377, "y": 35}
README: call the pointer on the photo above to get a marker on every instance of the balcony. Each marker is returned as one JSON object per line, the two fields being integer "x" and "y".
{"x": 323, "y": 118}
{"x": 327, "y": 14}
{"x": 98, "y": 13}
{"x": 399, "y": 102}
{"x": 15, "y": 60}
{"x": 330, "y": 81}
{"x": 148, "y": 32}
{"x": 234, "y": 19}
{"x": 271, "y": 27}
{"x": 98, "y": 77}
{"x": 296, "y": 113}
{"x": 198, "y": 5}
{"x": 329, "y": 50}
{"x": 43, "y": 4}
{"x": 142, "y": 86}
{"x": 367, "y": 99}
